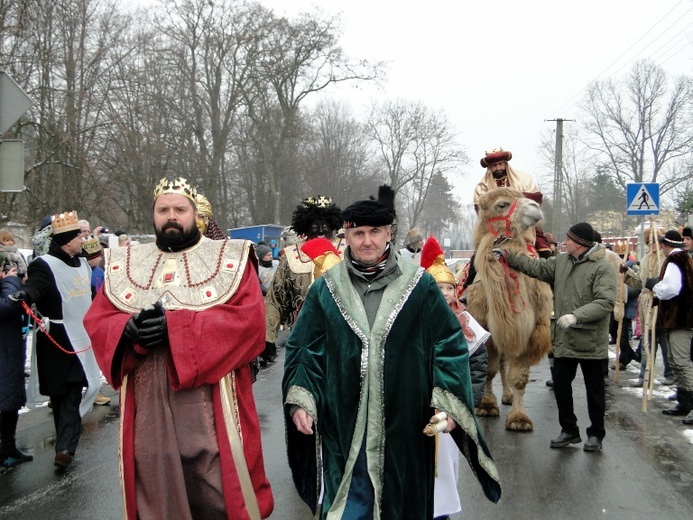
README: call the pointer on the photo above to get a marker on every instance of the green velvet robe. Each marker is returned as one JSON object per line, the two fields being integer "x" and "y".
{"x": 379, "y": 386}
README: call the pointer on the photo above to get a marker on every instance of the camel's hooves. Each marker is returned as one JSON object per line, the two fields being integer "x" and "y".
{"x": 518, "y": 422}
{"x": 487, "y": 411}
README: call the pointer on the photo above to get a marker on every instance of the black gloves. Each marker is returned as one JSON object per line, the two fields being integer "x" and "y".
{"x": 19, "y": 296}
{"x": 147, "y": 328}
{"x": 131, "y": 332}
{"x": 651, "y": 282}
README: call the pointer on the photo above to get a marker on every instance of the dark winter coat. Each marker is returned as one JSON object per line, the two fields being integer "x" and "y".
{"x": 12, "y": 348}
{"x": 56, "y": 369}
{"x": 584, "y": 287}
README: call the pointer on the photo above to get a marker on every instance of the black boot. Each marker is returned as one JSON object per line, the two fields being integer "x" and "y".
{"x": 684, "y": 405}
{"x": 9, "y": 453}
{"x": 688, "y": 419}
{"x": 270, "y": 352}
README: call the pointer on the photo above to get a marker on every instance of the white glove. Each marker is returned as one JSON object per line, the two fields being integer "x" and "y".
{"x": 566, "y": 321}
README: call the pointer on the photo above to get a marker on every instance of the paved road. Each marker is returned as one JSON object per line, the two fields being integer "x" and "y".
{"x": 645, "y": 470}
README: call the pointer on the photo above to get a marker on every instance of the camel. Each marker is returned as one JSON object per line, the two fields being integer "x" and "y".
{"x": 515, "y": 308}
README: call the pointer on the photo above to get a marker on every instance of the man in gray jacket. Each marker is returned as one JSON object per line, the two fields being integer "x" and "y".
{"x": 584, "y": 295}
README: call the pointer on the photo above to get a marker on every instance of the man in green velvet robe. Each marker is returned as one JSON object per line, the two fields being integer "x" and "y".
{"x": 374, "y": 353}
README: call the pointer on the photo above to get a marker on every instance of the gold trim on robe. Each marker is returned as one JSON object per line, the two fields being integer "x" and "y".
{"x": 197, "y": 278}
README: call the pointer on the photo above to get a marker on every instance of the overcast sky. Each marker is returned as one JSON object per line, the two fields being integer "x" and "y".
{"x": 501, "y": 68}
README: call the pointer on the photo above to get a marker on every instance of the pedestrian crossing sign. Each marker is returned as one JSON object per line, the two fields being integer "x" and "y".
{"x": 642, "y": 198}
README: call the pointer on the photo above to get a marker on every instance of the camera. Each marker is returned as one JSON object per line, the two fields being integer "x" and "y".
{"x": 8, "y": 264}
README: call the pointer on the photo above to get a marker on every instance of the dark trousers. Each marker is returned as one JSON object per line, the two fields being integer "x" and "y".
{"x": 68, "y": 422}
{"x": 626, "y": 352}
{"x": 564, "y": 370}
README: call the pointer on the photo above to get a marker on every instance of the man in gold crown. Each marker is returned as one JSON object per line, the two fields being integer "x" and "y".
{"x": 315, "y": 217}
{"x": 175, "y": 327}
{"x": 59, "y": 284}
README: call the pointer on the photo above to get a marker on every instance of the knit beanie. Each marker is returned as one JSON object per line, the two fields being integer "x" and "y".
{"x": 262, "y": 251}
{"x": 582, "y": 234}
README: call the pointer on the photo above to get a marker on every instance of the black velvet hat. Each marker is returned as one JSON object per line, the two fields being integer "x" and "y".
{"x": 367, "y": 213}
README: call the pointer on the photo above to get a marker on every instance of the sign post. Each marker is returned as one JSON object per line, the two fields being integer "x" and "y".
{"x": 642, "y": 199}
{"x": 14, "y": 102}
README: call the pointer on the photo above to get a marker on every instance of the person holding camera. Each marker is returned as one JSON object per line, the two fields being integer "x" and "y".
{"x": 9, "y": 254}
{"x": 12, "y": 359}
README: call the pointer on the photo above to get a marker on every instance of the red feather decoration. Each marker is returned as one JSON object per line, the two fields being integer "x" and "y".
{"x": 316, "y": 247}
{"x": 431, "y": 250}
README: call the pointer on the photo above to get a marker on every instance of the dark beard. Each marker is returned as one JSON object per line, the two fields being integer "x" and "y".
{"x": 499, "y": 174}
{"x": 172, "y": 241}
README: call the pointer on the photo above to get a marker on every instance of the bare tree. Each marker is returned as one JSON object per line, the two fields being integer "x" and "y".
{"x": 439, "y": 209}
{"x": 297, "y": 58}
{"x": 641, "y": 125}
{"x": 62, "y": 55}
{"x": 414, "y": 144}
{"x": 335, "y": 159}
{"x": 213, "y": 48}
{"x": 461, "y": 229}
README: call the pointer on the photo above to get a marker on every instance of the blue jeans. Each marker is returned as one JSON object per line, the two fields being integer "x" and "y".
{"x": 662, "y": 342}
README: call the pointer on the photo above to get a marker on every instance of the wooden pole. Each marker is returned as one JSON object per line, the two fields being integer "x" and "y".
{"x": 650, "y": 316}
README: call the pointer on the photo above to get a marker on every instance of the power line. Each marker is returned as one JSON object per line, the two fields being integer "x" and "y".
{"x": 580, "y": 93}
{"x": 657, "y": 38}
{"x": 644, "y": 35}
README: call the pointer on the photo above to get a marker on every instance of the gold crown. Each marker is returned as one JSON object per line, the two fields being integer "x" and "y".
{"x": 63, "y": 222}
{"x": 91, "y": 246}
{"x": 180, "y": 186}
{"x": 204, "y": 208}
{"x": 320, "y": 201}
{"x": 620, "y": 247}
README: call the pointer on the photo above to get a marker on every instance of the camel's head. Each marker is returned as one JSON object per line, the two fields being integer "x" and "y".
{"x": 506, "y": 211}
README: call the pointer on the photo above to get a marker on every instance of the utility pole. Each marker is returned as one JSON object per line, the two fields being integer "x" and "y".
{"x": 558, "y": 178}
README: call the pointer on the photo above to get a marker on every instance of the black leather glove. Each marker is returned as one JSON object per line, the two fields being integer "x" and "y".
{"x": 147, "y": 328}
{"x": 19, "y": 296}
{"x": 651, "y": 282}
{"x": 131, "y": 332}
{"x": 149, "y": 312}
{"x": 153, "y": 332}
